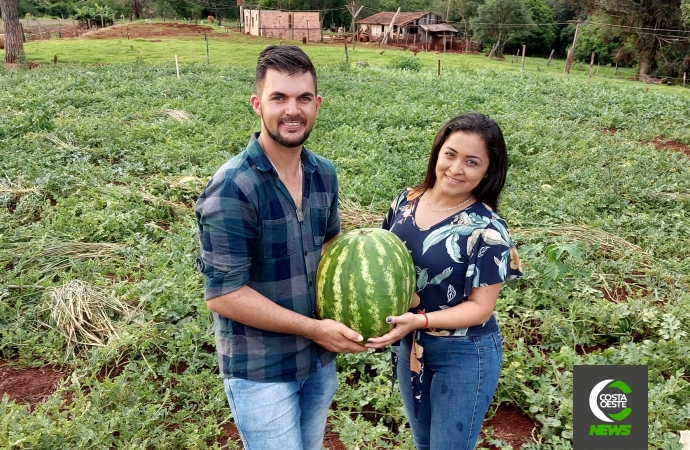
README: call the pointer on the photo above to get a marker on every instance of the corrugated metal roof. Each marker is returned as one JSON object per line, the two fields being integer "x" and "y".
{"x": 384, "y": 18}
{"x": 438, "y": 27}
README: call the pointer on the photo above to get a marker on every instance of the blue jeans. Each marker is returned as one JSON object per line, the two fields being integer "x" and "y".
{"x": 461, "y": 375}
{"x": 282, "y": 416}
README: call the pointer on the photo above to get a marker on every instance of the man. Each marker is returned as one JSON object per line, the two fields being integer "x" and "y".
{"x": 264, "y": 219}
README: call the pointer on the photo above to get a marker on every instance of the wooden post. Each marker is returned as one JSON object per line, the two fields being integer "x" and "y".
{"x": 439, "y": 67}
{"x": 571, "y": 52}
{"x": 548, "y": 63}
{"x": 177, "y": 67}
{"x": 444, "y": 42}
{"x": 59, "y": 31}
{"x": 307, "y": 30}
{"x": 591, "y": 65}
{"x": 208, "y": 60}
{"x": 616, "y": 71}
{"x": 40, "y": 30}
{"x": 685, "y": 74}
{"x": 390, "y": 28}
{"x": 523, "y": 57}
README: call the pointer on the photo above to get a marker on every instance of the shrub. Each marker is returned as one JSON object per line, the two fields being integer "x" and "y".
{"x": 406, "y": 63}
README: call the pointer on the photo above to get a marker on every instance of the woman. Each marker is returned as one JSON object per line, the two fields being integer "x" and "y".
{"x": 450, "y": 355}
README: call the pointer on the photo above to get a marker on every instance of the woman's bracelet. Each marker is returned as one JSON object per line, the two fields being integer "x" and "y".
{"x": 426, "y": 318}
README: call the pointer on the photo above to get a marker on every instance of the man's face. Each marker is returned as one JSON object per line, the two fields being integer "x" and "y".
{"x": 287, "y": 105}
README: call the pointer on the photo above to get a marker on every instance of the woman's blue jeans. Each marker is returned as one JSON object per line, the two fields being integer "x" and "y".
{"x": 282, "y": 416}
{"x": 459, "y": 380}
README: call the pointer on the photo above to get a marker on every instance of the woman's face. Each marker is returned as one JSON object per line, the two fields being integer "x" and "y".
{"x": 463, "y": 161}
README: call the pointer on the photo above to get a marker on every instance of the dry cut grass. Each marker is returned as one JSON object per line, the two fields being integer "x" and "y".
{"x": 353, "y": 215}
{"x": 16, "y": 188}
{"x": 613, "y": 245}
{"x": 84, "y": 315}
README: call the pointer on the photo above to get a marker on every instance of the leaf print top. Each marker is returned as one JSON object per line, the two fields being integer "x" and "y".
{"x": 469, "y": 249}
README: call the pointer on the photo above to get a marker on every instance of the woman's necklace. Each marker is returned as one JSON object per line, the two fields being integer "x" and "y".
{"x": 445, "y": 209}
{"x": 296, "y": 196}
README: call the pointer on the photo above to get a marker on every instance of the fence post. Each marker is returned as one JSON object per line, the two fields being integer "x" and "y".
{"x": 591, "y": 65}
{"x": 208, "y": 61}
{"x": 685, "y": 74}
{"x": 523, "y": 57}
{"x": 548, "y": 63}
{"x": 439, "y": 67}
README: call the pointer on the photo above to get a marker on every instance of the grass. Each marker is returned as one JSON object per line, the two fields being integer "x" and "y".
{"x": 238, "y": 49}
{"x": 100, "y": 167}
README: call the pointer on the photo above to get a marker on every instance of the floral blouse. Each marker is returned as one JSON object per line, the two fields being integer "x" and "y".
{"x": 469, "y": 249}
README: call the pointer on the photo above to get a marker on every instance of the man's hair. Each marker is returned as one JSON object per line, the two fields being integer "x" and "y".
{"x": 288, "y": 59}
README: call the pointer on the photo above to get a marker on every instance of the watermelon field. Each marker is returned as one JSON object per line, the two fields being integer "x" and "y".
{"x": 100, "y": 166}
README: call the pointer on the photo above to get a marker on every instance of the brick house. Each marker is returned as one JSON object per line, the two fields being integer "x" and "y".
{"x": 290, "y": 25}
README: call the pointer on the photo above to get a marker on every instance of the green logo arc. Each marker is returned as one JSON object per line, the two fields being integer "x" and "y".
{"x": 621, "y": 386}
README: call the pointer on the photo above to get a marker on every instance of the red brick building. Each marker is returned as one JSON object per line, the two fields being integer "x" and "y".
{"x": 291, "y": 25}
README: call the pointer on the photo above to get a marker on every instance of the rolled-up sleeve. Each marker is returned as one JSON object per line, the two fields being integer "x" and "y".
{"x": 228, "y": 234}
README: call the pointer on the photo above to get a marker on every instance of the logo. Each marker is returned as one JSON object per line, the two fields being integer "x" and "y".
{"x": 618, "y": 402}
{"x": 610, "y": 407}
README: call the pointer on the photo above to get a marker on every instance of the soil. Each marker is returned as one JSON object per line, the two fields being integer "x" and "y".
{"x": 54, "y": 29}
{"x": 32, "y": 385}
{"x": 512, "y": 426}
{"x": 671, "y": 145}
{"x": 29, "y": 385}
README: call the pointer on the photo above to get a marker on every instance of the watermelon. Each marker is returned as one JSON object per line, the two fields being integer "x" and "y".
{"x": 364, "y": 276}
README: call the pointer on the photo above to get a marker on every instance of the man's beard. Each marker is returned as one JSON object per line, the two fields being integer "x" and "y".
{"x": 286, "y": 142}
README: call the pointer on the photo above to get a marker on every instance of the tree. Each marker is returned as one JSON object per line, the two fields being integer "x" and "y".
{"x": 646, "y": 25}
{"x": 685, "y": 11}
{"x": 499, "y": 22}
{"x": 137, "y": 9}
{"x": 14, "y": 37}
{"x": 603, "y": 40}
{"x": 542, "y": 37}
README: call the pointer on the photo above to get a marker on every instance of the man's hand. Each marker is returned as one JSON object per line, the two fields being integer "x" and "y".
{"x": 336, "y": 337}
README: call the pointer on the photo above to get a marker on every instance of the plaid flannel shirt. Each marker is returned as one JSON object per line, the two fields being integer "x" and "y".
{"x": 250, "y": 235}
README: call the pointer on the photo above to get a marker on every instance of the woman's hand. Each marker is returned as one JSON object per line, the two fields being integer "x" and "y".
{"x": 403, "y": 325}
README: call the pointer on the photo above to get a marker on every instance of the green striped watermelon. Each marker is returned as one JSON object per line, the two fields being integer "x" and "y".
{"x": 364, "y": 276}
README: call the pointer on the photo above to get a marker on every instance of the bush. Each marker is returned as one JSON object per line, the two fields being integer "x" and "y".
{"x": 406, "y": 63}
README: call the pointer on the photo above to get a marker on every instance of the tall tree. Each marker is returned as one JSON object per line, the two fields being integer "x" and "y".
{"x": 14, "y": 38}
{"x": 646, "y": 23}
{"x": 501, "y": 21}
{"x": 543, "y": 35}
{"x": 138, "y": 9}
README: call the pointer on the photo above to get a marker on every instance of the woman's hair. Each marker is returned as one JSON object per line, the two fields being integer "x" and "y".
{"x": 488, "y": 130}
